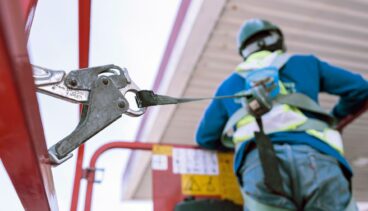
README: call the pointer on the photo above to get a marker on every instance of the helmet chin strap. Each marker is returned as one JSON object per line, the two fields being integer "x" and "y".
{"x": 260, "y": 44}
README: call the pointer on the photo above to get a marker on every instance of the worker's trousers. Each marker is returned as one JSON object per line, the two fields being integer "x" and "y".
{"x": 311, "y": 180}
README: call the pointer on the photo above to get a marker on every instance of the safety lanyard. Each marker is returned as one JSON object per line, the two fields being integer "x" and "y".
{"x": 147, "y": 98}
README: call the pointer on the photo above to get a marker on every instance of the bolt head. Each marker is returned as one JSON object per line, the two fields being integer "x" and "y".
{"x": 73, "y": 82}
{"x": 121, "y": 104}
{"x": 105, "y": 81}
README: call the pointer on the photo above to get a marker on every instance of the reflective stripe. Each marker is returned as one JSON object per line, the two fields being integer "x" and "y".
{"x": 280, "y": 118}
{"x": 285, "y": 118}
{"x": 282, "y": 88}
{"x": 329, "y": 136}
{"x": 257, "y": 60}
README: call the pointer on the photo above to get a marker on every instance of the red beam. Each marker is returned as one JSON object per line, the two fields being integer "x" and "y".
{"x": 84, "y": 20}
{"x": 22, "y": 144}
{"x": 84, "y": 8}
{"x": 28, "y": 8}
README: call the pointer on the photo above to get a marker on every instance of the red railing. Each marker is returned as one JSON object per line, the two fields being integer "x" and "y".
{"x": 90, "y": 172}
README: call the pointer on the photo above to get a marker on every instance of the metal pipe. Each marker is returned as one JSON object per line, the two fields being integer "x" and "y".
{"x": 115, "y": 145}
{"x": 92, "y": 165}
{"x": 84, "y": 18}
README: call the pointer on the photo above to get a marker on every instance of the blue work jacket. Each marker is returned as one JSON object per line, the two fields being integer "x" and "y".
{"x": 310, "y": 77}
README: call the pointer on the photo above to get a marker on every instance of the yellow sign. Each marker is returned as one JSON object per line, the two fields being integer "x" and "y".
{"x": 230, "y": 188}
{"x": 162, "y": 150}
{"x": 208, "y": 185}
{"x": 224, "y": 184}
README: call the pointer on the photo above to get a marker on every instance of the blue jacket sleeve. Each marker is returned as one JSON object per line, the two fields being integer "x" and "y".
{"x": 210, "y": 128}
{"x": 352, "y": 88}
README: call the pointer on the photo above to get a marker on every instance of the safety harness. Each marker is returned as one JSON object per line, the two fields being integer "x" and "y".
{"x": 323, "y": 121}
{"x": 259, "y": 105}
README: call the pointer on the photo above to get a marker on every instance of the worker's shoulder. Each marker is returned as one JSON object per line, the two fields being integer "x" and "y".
{"x": 303, "y": 57}
{"x": 231, "y": 83}
{"x": 233, "y": 78}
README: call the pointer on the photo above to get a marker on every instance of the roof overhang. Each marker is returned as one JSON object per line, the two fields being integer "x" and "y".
{"x": 195, "y": 31}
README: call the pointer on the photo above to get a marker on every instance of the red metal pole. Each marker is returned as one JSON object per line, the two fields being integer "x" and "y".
{"x": 22, "y": 144}
{"x": 84, "y": 8}
{"x": 28, "y": 8}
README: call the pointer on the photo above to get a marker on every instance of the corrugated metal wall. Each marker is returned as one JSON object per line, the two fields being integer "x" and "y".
{"x": 335, "y": 31}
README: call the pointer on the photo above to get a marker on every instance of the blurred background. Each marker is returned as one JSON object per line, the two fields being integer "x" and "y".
{"x": 139, "y": 35}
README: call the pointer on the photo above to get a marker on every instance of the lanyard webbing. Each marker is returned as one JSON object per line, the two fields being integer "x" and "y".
{"x": 146, "y": 98}
{"x": 269, "y": 162}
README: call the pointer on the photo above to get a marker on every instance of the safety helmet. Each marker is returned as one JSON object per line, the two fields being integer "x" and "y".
{"x": 257, "y": 34}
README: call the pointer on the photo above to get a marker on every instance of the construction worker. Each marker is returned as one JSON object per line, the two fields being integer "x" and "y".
{"x": 305, "y": 168}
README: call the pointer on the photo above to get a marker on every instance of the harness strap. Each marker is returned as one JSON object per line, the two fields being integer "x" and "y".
{"x": 312, "y": 124}
{"x": 269, "y": 161}
{"x": 303, "y": 102}
{"x": 267, "y": 155}
{"x": 229, "y": 128}
{"x": 227, "y": 133}
{"x": 279, "y": 61}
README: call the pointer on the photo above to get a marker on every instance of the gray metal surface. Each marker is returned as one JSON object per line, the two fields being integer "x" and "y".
{"x": 84, "y": 79}
{"x": 101, "y": 89}
{"x": 44, "y": 76}
{"x": 106, "y": 104}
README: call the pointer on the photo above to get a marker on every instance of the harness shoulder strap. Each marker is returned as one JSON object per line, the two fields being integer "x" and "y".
{"x": 228, "y": 130}
{"x": 281, "y": 60}
{"x": 278, "y": 62}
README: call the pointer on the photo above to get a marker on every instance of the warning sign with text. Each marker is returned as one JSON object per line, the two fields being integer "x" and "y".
{"x": 195, "y": 161}
{"x": 179, "y": 172}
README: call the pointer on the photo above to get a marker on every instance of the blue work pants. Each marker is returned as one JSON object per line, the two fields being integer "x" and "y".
{"x": 311, "y": 180}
